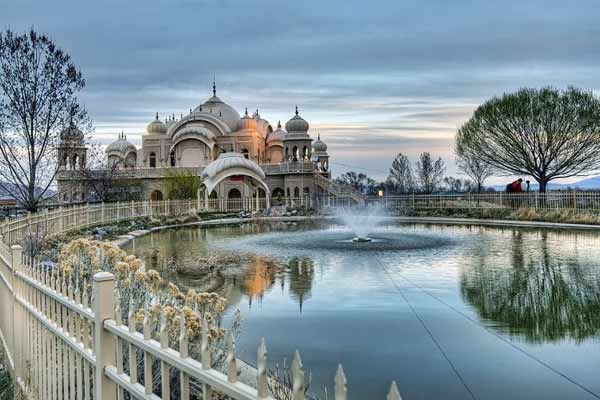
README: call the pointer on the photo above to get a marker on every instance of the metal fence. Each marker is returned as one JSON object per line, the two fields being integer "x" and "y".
{"x": 533, "y": 200}
{"x": 65, "y": 341}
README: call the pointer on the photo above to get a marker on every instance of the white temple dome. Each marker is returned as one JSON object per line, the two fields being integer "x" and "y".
{"x": 277, "y": 135}
{"x": 247, "y": 122}
{"x": 156, "y": 127}
{"x": 319, "y": 146}
{"x": 218, "y": 108}
{"x": 229, "y": 161}
{"x": 121, "y": 146}
{"x": 71, "y": 133}
{"x": 296, "y": 124}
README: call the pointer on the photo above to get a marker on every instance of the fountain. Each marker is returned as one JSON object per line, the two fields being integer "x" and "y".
{"x": 361, "y": 221}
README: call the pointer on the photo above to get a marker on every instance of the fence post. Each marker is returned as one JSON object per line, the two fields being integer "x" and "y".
{"x": 103, "y": 286}
{"x": 132, "y": 209}
{"x": 45, "y": 220}
{"x": 15, "y": 261}
{"x": 118, "y": 211}
{"x": 61, "y": 221}
{"x": 103, "y": 215}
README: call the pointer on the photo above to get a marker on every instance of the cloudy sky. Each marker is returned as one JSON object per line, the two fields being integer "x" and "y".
{"x": 374, "y": 78}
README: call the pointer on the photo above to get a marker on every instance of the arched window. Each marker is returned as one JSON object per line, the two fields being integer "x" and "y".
{"x": 156, "y": 195}
{"x": 305, "y": 153}
{"x": 297, "y": 192}
{"x": 234, "y": 194}
{"x": 172, "y": 157}
{"x": 74, "y": 162}
{"x": 287, "y": 153}
{"x": 295, "y": 153}
{"x": 152, "y": 160}
{"x": 245, "y": 153}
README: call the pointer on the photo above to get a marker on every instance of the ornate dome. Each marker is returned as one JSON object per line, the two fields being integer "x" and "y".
{"x": 218, "y": 108}
{"x": 296, "y": 124}
{"x": 121, "y": 146}
{"x": 71, "y": 133}
{"x": 277, "y": 135}
{"x": 262, "y": 125}
{"x": 247, "y": 122}
{"x": 319, "y": 146}
{"x": 228, "y": 161}
{"x": 156, "y": 127}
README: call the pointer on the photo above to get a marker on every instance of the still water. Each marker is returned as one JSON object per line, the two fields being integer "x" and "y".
{"x": 448, "y": 312}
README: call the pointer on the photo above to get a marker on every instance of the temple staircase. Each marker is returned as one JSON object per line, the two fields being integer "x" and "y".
{"x": 339, "y": 189}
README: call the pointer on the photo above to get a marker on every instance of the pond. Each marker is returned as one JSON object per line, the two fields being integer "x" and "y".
{"x": 448, "y": 312}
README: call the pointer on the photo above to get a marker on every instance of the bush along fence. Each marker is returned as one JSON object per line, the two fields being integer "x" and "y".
{"x": 532, "y": 200}
{"x": 71, "y": 218}
{"x": 83, "y": 333}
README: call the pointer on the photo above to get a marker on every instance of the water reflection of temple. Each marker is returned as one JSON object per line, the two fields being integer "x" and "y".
{"x": 261, "y": 274}
{"x": 544, "y": 288}
{"x": 301, "y": 273}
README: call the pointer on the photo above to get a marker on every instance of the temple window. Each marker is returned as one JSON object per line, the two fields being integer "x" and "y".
{"x": 172, "y": 158}
{"x": 152, "y": 160}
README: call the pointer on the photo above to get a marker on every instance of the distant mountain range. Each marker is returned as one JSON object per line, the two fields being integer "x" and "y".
{"x": 11, "y": 189}
{"x": 592, "y": 183}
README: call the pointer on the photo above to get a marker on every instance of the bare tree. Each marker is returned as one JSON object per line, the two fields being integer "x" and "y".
{"x": 430, "y": 173}
{"x": 401, "y": 176}
{"x": 100, "y": 176}
{"x": 358, "y": 181}
{"x": 477, "y": 170}
{"x": 545, "y": 133}
{"x": 38, "y": 87}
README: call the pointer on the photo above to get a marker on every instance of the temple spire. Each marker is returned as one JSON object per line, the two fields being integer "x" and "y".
{"x": 296, "y": 109}
{"x": 157, "y": 115}
{"x": 214, "y": 86}
{"x": 279, "y": 124}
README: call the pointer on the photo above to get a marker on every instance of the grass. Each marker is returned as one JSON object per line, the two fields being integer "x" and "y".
{"x": 7, "y": 389}
{"x": 569, "y": 216}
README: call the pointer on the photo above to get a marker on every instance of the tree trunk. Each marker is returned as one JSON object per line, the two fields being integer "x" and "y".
{"x": 543, "y": 181}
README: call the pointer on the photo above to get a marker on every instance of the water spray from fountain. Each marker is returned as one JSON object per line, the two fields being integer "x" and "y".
{"x": 361, "y": 220}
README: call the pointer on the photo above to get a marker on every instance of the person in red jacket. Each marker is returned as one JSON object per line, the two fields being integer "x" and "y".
{"x": 516, "y": 186}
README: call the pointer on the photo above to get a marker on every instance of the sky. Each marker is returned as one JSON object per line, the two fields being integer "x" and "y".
{"x": 373, "y": 78}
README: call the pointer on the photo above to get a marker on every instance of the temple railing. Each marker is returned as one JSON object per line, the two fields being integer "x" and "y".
{"x": 163, "y": 172}
{"x": 289, "y": 168}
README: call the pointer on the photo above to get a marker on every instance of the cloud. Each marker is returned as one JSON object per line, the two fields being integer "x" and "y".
{"x": 373, "y": 79}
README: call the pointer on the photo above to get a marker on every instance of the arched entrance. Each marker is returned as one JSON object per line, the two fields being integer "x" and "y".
{"x": 245, "y": 174}
{"x": 156, "y": 195}
{"x": 234, "y": 200}
{"x": 234, "y": 194}
{"x": 278, "y": 196}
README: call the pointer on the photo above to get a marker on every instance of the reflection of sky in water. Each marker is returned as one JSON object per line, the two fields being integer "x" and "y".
{"x": 304, "y": 287}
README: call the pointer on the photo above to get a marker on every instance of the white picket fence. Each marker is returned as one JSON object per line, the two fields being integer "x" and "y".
{"x": 65, "y": 341}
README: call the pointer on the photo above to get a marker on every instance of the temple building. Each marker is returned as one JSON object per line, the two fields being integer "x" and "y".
{"x": 236, "y": 157}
